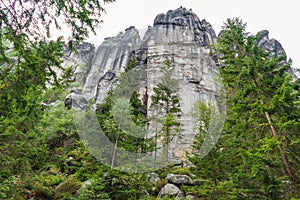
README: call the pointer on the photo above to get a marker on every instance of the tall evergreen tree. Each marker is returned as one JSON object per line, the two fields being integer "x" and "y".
{"x": 263, "y": 124}
{"x": 166, "y": 99}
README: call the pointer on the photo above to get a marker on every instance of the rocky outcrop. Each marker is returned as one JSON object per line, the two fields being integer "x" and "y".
{"x": 76, "y": 100}
{"x": 79, "y": 60}
{"x": 180, "y": 37}
{"x": 153, "y": 177}
{"x": 191, "y": 197}
{"x": 110, "y": 59}
{"x": 201, "y": 31}
{"x": 270, "y": 45}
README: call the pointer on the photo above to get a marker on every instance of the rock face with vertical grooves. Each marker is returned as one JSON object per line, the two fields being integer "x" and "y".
{"x": 109, "y": 60}
{"x": 80, "y": 60}
{"x": 181, "y": 37}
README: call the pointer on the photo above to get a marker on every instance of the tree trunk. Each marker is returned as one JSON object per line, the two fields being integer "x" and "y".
{"x": 114, "y": 153}
{"x": 284, "y": 158}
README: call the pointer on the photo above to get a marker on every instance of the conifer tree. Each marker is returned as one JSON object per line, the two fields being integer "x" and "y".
{"x": 166, "y": 99}
{"x": 263, "y": 114}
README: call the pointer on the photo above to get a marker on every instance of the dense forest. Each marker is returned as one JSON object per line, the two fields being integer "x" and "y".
{"x": 43, "y": 157}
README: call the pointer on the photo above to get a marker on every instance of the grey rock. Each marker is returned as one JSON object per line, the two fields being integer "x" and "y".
{"x": 87, "y": 183}
{"x": 170, "y": 190}
{"x": 75, "y": 100}
{"x": 180, "y": 196}
{"x": 179, "y": 179}
{"x": 296, "y": 74}
{"x": 51, "y": 104}
{"x": 153, "y": 177}
{"x": 191, "y": 197}
{"x": 111, "y": 58}
{"x": 270, "y": 45}
{"x": 80, "y": 60}
{"x": 179, "y": 36}
{"x": 186, "y": 19}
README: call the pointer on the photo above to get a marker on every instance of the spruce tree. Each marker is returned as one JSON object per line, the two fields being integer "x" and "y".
{"x": 166, "y": 99}
{"x": 262, "y": 127}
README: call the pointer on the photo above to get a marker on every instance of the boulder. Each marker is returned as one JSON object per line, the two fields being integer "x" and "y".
{"x": 171, "y": 190}
{"x": 76, "y": 100}
{"x": 179, "y": 179}
{"x": 191, "y": 197}
{"x": 153, "y": 177}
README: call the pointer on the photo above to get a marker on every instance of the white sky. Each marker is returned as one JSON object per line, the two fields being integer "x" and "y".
{"x": 278, "y": 17}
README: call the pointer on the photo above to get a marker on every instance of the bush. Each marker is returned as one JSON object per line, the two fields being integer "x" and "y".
{"x": 42, "y": 192}
{"x": 93, "y": 190}
{"x": 70, "y": 186}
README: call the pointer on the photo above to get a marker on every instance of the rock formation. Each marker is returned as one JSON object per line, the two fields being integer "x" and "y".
{"x": 270, "y": 45}
{"x": 179, "y": 36}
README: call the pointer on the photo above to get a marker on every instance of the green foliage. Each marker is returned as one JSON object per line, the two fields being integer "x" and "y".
{"x": 166, "y": 103}
{"x": 28, "y": 66}
{"x": 181, "y": 170}
{"x": 94, "y": 190}
{"x": 41, "y": 156}
{"x": 255, "y": 152}
{"x": 122, "y": 138}
{"x": 43, "y": 192}
{"x": 70, "y": 186}
{"x": 39, "y": 19}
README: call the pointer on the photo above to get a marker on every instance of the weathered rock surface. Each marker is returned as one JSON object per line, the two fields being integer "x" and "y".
{"x": 182, "y": 38}
{"x": 270, "y": 45}
{"x": 201, "y": 31}
{"x": 191, "y": 197}
{"x": 179, "y": 36}
{"x": 153, "y": 177}
{"x": 76, "y": 100}
{"x": 171, "y": 190}
{"x": 80, "y": 60}
{"x": 179, "y": 179}
{"x": 110, "y": 59}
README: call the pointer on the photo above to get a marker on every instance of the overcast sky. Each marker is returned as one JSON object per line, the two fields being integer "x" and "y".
{"x": 279, "y": 17}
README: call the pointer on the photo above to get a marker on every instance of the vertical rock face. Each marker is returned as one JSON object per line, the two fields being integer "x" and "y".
{"x": 178, "y": 36}
{"x": 80, "y": 60}
{"x": 109, "y": 60}
{"x": 201, "y": 31}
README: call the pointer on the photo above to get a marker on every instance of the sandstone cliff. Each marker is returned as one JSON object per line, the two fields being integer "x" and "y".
{"x": 181, "y": 37}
